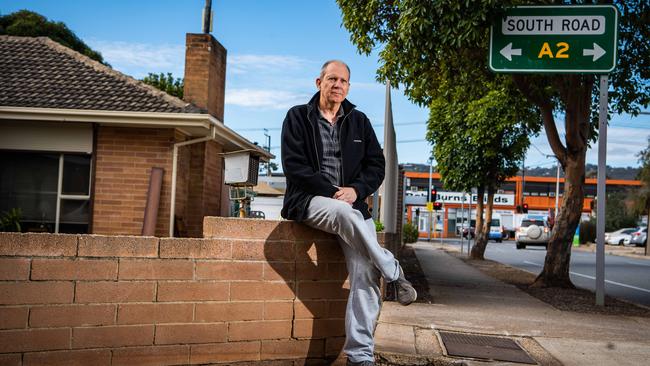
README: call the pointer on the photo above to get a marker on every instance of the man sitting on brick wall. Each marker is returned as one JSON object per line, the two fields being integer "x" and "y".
{"x": 333, "y": 161}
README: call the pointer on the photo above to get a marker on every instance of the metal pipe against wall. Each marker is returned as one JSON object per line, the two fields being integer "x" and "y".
{"x": 153, "y": 202}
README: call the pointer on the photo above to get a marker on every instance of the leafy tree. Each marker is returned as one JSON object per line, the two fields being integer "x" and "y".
{"x": 643, "y": 199}
{"x": 617, "y": 214}
{"x": 166, "y": 83}
{"x": 479, "y": 133}
{"x": 31, "y": 24}
{"x": 420, "y": 38}
{"x": 264, "y": 168}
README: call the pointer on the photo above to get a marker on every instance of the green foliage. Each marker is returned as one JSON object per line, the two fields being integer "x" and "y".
{"x": 166, "y": 83}
{"x": 479, "y": 136}
{"x": 617, "y": 215}
{"x": 10, "y": 221}
{"x": 438, "y": 51}
{"x": 379, "y": 226}
{"x": 31, "y": 24}
{"x": 410, "y": 233}
{"x": 642, "y": 201}
{"x": 588, "y": 231}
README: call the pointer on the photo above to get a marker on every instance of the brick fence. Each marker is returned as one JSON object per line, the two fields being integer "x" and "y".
{"x": 251, "y": 290}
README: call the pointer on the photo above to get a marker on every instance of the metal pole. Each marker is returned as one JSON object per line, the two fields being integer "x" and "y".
{"x": 442, "y": 219}
{"x": 469, "y": 226}
{"x": 557, "y": 189}
{"x": 523, "y": 178}
{"x": 268, "y": 148}
{"x": 429, "y": 194}
{"x": 375, "y": 205}
{"x": 601, "y": 192}
{"x": 462, "y": 220}
{"x": 389, "y": 197}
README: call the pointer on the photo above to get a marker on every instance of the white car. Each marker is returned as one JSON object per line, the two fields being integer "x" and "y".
{"x": 532, "y": 232}
{"x": 619, "y": 237}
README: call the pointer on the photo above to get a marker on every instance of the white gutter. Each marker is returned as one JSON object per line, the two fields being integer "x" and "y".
{"x": 200, "y": 121}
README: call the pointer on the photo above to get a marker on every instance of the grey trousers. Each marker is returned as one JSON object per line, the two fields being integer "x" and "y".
{"x": 366, "y": 260}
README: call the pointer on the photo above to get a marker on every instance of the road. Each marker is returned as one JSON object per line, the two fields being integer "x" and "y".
{"x": 625, "y": 278}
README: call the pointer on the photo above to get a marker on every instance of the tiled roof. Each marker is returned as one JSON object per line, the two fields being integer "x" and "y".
{"x": 40, "y": 73}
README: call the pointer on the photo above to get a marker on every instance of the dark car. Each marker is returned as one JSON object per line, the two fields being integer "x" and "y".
{"x": 639, "y": 237}
{"x": 469, "y": 231}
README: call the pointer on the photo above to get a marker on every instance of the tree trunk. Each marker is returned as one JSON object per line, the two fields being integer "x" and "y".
{"x": 478, "y": 250}
{"x": 478, "y": 229}
{"x": 558, "y": 256}
{"x": 575, "y": 91}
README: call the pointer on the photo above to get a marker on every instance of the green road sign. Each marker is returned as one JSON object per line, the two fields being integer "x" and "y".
{"x": 555, "y": 39}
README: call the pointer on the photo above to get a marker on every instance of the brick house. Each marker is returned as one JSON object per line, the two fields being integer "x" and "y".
{"x": 79, "y": 141}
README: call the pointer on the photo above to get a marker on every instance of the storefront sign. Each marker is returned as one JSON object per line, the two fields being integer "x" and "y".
{"x": 457, "y": 197}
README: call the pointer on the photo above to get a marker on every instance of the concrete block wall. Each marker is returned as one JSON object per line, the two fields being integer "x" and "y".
{"x": 250, "y": 291}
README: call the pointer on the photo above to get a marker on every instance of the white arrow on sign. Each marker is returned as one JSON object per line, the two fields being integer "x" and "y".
{"x": 597, "y": 52}
{"x": 508, "y": 51}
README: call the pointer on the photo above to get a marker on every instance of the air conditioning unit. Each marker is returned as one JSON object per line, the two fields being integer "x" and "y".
{"x": 241, "y": 168}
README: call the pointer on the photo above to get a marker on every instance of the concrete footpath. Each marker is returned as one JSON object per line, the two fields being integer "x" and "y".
{"x": 470, "y": 302}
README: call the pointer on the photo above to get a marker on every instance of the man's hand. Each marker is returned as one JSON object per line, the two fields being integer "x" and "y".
{"x": 347, "y": 194}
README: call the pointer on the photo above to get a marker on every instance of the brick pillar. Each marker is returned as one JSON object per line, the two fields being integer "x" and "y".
{"x": 205, "y": 185}
{"x": 205, "y": 73}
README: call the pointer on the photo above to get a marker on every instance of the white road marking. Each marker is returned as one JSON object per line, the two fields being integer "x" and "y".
{"x": 533, "y": 263}
{"x": 638, "y": 264}
{"x": 613, "y": 283}
{"x": 594, "y": 278}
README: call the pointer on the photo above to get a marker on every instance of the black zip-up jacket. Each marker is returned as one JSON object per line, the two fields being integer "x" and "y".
{"x": 362, "y": 159}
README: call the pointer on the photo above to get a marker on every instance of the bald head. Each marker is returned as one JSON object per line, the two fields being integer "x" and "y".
{"x": 327, "y": 63}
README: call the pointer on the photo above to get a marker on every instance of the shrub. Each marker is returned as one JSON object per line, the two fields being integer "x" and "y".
{"x": 10, "y": 221}
{"x": 588, "y": 231}
{"x": 378, "y": 226}
{"x": 410, "y": 233}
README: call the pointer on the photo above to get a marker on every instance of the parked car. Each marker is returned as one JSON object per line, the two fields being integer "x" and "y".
{"x": 532, "y": 232}
{"x": 620, "y": 236}
{"x": 496, "y": 230}
{"x": 469, "y": 231}
{"x": 639, "y": 237}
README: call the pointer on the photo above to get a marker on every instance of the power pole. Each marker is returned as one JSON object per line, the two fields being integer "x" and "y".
{"x": 268, "y": 148}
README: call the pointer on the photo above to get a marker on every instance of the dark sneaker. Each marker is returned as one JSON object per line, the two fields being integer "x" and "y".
{"x": 404, "y": 292}
{"x": 362, "y": 363}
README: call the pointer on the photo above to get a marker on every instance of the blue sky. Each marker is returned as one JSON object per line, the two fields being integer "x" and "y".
{"x": 275, "y": 49}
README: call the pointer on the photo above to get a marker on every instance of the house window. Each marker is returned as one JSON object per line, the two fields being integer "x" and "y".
{"x": 52, "y": 190}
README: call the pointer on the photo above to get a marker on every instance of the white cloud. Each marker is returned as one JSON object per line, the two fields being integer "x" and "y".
{"x": 265, "y": 98}
{"x": 242, "y": 64}
{"x": 139, "y": 59}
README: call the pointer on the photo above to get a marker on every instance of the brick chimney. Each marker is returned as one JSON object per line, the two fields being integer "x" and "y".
{"x": 205, "y": 73}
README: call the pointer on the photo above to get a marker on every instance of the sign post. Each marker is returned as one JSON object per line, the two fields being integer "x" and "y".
{"x": 564, "y": 39}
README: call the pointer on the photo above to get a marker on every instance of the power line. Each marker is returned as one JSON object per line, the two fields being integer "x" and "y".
{"x": 398, "y": 141}
{"x": 374, "y": 125}
{"x": 540, "y": 151}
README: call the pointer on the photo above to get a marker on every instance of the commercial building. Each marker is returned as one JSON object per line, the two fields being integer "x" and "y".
{"x": 538, "y": 193}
